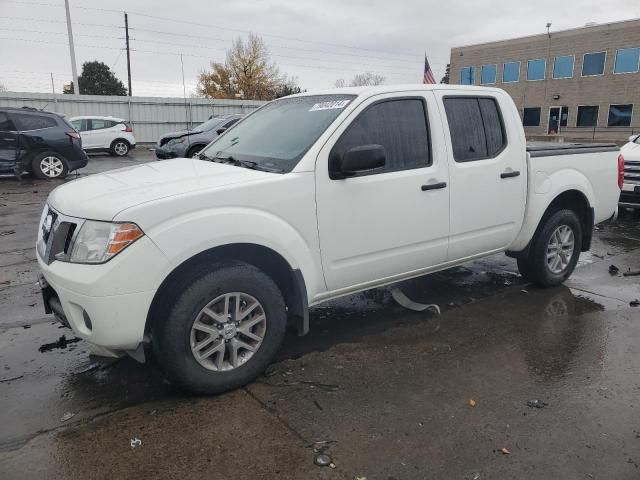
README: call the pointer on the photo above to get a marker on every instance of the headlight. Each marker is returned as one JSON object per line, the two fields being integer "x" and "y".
{"x": 175, "y": 141}
{"x": 97, "y": 242}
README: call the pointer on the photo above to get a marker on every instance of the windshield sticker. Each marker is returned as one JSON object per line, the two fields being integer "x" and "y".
{"x": 335, "y": 104}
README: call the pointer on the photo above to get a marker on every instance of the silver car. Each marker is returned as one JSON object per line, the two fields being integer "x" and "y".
{"x": 188, "y": 143}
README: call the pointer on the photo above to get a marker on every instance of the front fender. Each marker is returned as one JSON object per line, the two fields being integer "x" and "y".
{"x": 543, "y": 190}
{"x": 190, "y": 234}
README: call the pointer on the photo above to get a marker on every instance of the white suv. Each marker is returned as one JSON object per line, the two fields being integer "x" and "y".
{"x": 105, "y": 134}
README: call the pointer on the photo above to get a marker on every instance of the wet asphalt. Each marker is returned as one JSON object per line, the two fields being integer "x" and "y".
{"x": 385, "y": 392}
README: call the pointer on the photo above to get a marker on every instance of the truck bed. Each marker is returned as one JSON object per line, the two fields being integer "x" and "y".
{"x": 546, "y": 149}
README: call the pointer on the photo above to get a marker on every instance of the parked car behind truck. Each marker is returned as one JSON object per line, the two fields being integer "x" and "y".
{"x": 188, "y": 143}
{"x": 630, "y": 195}
{"x": 312, "y": 197}
{"x": 38, "y": 142}
{"x": 105, "y": 134}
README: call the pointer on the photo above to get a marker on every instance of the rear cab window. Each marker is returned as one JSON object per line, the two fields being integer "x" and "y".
{"x": 27, "y": 121}
{"x": 399, "y": 125}
{"x": 476, "y": 127}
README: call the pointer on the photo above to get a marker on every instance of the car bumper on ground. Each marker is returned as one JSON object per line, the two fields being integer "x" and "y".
{"x": 105, "y": 304}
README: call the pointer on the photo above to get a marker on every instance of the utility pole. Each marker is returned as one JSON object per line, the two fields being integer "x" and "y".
{"x": 72, "y": 51}
{"x": 184, "y": 94}
{"x": 126, "y": 29}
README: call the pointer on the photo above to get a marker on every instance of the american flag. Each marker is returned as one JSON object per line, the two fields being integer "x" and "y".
{"x": 428, "y": 74}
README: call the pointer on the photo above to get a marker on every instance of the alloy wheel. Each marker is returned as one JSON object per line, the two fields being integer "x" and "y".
{"x": 560, "y": 249}
{"x": 52, "y": 167}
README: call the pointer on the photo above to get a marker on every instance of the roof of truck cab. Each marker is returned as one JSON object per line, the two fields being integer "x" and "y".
{"x": 379, "y": 89}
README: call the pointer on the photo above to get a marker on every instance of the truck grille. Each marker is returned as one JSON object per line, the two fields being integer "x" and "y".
{"x": 632, "y": 171}
{"x": 55, "y": 235}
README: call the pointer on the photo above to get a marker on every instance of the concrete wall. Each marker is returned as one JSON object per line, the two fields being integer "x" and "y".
{"x": 603, "y": 90}
{"x": 150, "y": 117}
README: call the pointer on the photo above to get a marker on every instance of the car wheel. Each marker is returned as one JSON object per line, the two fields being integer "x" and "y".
{"x": 49, "y": 165}
{"x": 220, "y": 330}
{"x": 194, "y": 151}
{"x": 119, "y": 148}
{"x": 555, "y": 250}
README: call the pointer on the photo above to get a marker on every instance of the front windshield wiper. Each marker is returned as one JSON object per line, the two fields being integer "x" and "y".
{"x": 230, "y": 160}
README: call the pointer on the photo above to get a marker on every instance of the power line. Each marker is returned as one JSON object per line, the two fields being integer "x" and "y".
{"x": 57, "y": 22}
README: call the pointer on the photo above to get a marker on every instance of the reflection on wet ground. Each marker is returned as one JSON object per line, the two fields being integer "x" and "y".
{"x": 386, "y": 388}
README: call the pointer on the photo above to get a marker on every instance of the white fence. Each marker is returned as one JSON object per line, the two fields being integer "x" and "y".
{"x": 150, "y": 117}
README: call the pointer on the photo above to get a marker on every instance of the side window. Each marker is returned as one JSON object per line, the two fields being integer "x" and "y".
{"x": 230, "y": 123}
{"x": 6, "y": 125}
{"x": 77, "y": 124}
{"x": 475, "y": 127}
{"x": 25, "y": 122}
{"x": 97, "y": 124}
{"x": 400, "y": 126}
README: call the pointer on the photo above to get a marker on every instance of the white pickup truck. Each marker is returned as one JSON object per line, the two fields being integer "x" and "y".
{"x": 311, "y": 197}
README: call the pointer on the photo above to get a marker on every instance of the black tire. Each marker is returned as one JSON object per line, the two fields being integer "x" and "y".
{"x": 171, "y": 334}
{"x": 193, "y": 150}
{"x": 119, "y": 148}
{"x": 535, "y": 266}
{"x": 49, "y": 166}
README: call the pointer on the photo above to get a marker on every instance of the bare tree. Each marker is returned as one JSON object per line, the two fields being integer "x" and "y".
{"x": 248, "y": 72}
{"x": 340, "y": 83}
{"x": 367, "y": 79}
{"x": 3, "y": 88}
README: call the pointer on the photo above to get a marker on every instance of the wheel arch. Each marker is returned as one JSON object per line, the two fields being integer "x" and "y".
{"x": 290, "y": 281}
{"x": 572, "y": 199}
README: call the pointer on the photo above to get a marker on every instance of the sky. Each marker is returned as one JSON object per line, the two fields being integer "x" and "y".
{"x": 317, "y": 41}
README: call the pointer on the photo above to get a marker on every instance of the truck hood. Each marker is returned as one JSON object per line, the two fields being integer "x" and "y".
{"x": 103, "y": 196}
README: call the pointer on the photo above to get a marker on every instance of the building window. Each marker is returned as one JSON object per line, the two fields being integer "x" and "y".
{"x": 468, "y": 76}
{"x": 627, "y": 60}
{"x": 511, "y": 72}
{"x": 587, "y": 116}
{"x": 488, "y": 74}
{"x": 563, "y": 66}
{"x": 536, "y": 69}
{"x": 531, "y": 117}
{"x": 620, "y": 115}
{"x": 593, "y": 63}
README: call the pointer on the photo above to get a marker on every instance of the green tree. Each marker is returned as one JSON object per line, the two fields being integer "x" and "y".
{"x": 98, "y": 79}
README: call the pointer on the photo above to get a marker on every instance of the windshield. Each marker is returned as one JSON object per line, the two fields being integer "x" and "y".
{"x": 209, "y": 124}
{"x": 277, "y": 135}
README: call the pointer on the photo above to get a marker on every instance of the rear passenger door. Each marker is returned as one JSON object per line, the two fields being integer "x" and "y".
{"x": 101, "y": 133}
{"x": 8, "y": 143}
{"x": 389, "y": 221}
{"x": 487, "y": 170}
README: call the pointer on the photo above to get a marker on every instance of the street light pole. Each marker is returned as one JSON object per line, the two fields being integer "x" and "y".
{"x": 72, "y": 51}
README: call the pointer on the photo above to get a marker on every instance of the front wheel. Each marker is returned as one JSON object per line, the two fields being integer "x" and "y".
{"x": 221, "y": 330}
{"x": 555, "y": 250}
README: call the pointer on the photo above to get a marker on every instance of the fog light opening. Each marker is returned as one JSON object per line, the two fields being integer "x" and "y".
{"x": 87, "y": 320}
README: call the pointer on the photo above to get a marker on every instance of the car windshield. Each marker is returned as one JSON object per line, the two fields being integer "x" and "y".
{"x": 277, "y": 135}
{"x": 209, "y": 124}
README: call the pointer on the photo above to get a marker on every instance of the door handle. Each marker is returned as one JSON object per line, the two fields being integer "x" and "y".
{"x": 9, "y": 139}
{"x": 433, "y": 186}
{"x": 512, "y": 174}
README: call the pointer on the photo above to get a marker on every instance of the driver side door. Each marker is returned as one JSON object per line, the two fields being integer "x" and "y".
{"x": 392, "y": 221}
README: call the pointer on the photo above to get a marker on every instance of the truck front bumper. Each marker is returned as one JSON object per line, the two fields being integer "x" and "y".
{"x": 630, "y": 196}
{"x": 105, "y": 304}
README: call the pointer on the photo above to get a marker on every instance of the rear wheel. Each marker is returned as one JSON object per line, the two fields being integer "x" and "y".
{"x": 119, "y": 148}
{"x": 555, "y": 250}
{"x": 49, "y": 165}
{"x": 221, "y": 330}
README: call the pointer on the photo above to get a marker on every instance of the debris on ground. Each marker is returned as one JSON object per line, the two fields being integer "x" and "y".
{"x": 5, "y": 282}
{"x": 67, "y": 416}
{"x": 631, "y": 273}
{"x": 357, "y": 477}
{"x": 598, "y": 256}
{"x": 406, "y": 302}
{"x": 7, "y": 232}
{"x": 505, "y": 451}
{"x": 62, "y": 342}
{"x": 136, "y": 442}
{"x": 2, "y": 380}
{"x": 634, "y": 303}
{"x": 536, "y": 404}
{"x": 472, "y": 402}
{"x": 613, "y": 270}
{"x": 323, "y": 460}
{"x": 318, "y": 406}
{"x": 524, "y": 291}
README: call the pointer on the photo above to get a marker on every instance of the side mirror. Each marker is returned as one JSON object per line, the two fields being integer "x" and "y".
{"x": 358, "y": 159}
{"x": 220, "y": 131}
